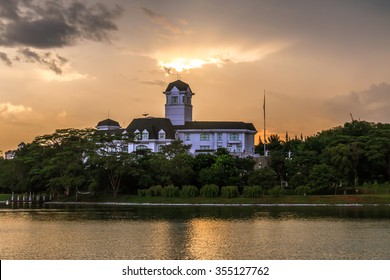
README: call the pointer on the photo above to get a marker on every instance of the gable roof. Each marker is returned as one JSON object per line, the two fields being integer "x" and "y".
{"x": 153, "y": 126}
{"x": 180, "y": 85}
{"x": 216, "y": 125}
{"x": 108, "y": 122}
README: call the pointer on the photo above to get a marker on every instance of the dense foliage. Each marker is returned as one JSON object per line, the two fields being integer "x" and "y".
{"x": 70, "y": 160}
{"x": 339, "y": 159}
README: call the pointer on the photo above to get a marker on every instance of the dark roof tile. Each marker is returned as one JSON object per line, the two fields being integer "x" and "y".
{"x": 108, "y": 122}
{"x": 179, "y": 84}
{"x": 153, "y": 126}
{"x": 216, "y": 125}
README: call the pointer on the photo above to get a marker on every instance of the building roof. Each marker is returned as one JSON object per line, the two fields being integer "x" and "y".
{"x": 108, "y": 122}
{"x": 180, "y": 85}
{"x": 216, "y": 125}
{"x": 153, "y": 126}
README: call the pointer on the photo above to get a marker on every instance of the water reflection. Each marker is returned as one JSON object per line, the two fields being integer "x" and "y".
{"x": 101, "y": 232}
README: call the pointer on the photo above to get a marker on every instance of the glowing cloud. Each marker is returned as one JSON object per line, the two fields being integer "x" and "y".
{"x": 180, "y": 64}
{"x": 62, "y": 115}
{"x": 219, "y": 57}
{"x": 8, "y": 109}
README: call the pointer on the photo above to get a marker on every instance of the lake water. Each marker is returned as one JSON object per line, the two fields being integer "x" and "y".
{"x": 195, "y": 232}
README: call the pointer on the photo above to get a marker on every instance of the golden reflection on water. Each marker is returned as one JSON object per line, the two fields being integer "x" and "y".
{"x": 206, "y": 239}
{"x": 45, "y": 234}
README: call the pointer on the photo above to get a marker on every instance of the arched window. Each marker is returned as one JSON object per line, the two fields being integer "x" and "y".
{"x": 141, "y": 147}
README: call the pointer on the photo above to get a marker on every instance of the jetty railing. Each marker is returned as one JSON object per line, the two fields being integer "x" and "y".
{"x": 29, "y": 198}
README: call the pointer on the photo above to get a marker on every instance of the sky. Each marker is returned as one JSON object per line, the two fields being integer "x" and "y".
{"x": 71, "y": 64}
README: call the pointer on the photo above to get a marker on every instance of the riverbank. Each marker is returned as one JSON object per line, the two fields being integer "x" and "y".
{"x": 381, "y": 199}
{"x": 267, "y": 199}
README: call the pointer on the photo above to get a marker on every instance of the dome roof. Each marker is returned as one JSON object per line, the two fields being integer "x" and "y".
{"x": 108, "y": 122}
{"x": 179, "y": 84}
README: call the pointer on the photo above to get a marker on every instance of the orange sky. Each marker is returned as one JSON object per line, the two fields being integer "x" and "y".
{"x": 67, "y": 63}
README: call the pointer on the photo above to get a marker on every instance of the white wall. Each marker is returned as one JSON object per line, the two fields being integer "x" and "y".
{"x": 246, "y": 140}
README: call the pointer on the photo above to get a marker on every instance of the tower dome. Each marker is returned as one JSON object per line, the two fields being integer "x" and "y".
{"x": 108, "y": 124}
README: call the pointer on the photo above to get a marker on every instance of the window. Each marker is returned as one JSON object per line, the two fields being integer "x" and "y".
{"x": 204, "y": 147}
{"x": 145, "y": 135}
{"x": 187, "y": 137}
{"x": 234, "y": 137}
{"x": 161, "y": 134}
{"x": 160, "y": 147}
{"x": 204, "y": 136}
{"x": 219, "y": 137}
{"x": 141, "y": 147}
{"x": 183, "y": 99}
{"x": 174, "y": 99}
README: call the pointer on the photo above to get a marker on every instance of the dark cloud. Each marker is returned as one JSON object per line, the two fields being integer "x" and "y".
{"x": 53, "y": 62}
{"x": 371, "y": 104}
{"x": 9, "y": 9}
{"x": 5, "y": 59}
{"x": 42, "y": 33}
{"x": 50, "y": 23}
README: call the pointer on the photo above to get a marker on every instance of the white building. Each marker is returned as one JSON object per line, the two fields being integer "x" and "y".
{"x": 11, "y": 154}
{"x": 203, "y": 136}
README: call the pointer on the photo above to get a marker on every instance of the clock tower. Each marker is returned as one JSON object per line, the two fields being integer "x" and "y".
{"x": 178, "y": 106}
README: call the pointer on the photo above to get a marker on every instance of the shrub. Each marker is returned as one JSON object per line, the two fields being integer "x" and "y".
{"x": 170, "y": 191}
{"x": 229, "y": 191}
{"x": 189, "y": 191}
{"x": 154, "y": 191}
{"x": 142, "y": 192}
{"x": 276, "y": 191}
{"x": 302, "y": 190}
{"x": 209, "y": 190}
{"x": 252, "y": 191}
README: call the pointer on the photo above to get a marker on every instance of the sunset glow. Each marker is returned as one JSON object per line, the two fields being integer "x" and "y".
{"x": 318, "y": 62}
{"x": 181, "y": 64}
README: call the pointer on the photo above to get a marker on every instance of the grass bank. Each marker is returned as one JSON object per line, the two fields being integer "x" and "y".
{"x": 5, "y": 197}
{"x": 267, "y": 199}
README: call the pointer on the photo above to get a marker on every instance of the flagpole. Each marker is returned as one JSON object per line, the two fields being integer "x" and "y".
{"x": 265, "y": 149}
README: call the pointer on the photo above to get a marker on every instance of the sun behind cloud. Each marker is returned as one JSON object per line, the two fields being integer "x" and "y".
{"x": 171, "y": 63}
{"x": 180, "y": 64}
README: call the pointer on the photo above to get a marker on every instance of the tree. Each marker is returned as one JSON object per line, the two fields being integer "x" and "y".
{"x": 274, "y": 142}
{"x": 202, "y": 161}
{"x": 12, "y": 175}
{"x": 265, "y": 178}
{"x": 322, "y": 178}
{"x": 107, "y": 151}
{"x": 340, "y": 158}
{"x": 278, "y": 164}
{"x": 220, "y": 172}
{"x": 64, "y": 168}
{"x": 244, "y": 167}
{"x": 175, "y": 148}
{"x": 116, "y": 166}
{"x": 180, "y": 170}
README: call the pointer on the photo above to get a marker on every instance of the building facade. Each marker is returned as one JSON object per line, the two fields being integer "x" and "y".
{"x": 203, "y": 136}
